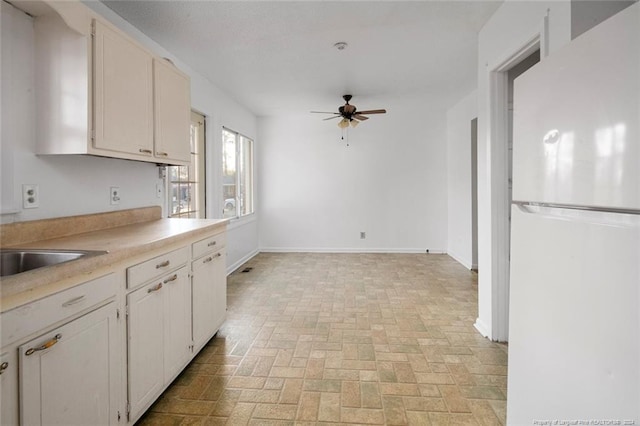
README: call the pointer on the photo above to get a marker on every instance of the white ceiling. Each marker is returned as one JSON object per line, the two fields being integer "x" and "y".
{"x": 277, "y": 57}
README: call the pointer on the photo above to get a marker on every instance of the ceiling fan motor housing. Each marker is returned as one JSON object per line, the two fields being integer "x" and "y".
{"x": 347, "y": 110}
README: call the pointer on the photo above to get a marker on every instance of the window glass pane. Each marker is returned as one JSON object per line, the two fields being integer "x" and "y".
{"x": 173, "y": 173}
{"x": 174, "y": 190}
{"x": 229, "y": 173}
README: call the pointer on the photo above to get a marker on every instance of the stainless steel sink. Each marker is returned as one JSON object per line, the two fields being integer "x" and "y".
{"x": 15, "y": 261}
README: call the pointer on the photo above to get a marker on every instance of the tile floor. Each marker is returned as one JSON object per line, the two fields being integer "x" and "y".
{"x": 344, "y": 339}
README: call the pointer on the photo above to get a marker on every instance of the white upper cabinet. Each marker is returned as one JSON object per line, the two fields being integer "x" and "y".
{"x": 123, "y": 89}
{"x": 102, "y": 93}
{"x": 172, "y": 111}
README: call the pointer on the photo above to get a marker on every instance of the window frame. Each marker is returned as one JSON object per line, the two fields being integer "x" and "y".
{"x": 196, "y": 171}
{"x": 240, "y": 177}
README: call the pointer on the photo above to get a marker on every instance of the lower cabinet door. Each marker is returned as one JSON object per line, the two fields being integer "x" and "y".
{"x": 209, "y": 298}
{"x": 9, "y": 387}
{"x": 145, "y": 335}
{"x": 177, "y": 323}
{"x": 70, "y": 375}
{"x": 220, "y": 281}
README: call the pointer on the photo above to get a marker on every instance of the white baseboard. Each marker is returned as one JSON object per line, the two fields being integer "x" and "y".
{"x": 482, "y": 328}
{"x": 232, "y": 268}
{"x": 348, "y": 250}
{"x": 464, "y": 262}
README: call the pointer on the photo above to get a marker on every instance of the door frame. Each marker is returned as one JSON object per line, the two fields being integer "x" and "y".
{"x": 498, "y": 132}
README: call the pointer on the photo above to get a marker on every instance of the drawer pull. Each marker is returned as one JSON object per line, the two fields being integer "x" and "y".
{"x": 162, "y": 154}
{"x": 46, "y": 345}
{"x": 156, "y": 288}
{"x": 208, "y": 259}
{"x": 145, "y": 151}
{"x": 211, "y": 244}
{"x": 73, "y": 301}
{"x": 163, "y": 264}
{"x": 4, "y": 366}
{"x": 173, "y": 278}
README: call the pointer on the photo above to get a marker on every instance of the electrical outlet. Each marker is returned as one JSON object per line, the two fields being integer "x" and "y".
{"x": 363, "y": 235}
{"x": 30, "y": 196}
{"x": 159, "y": 190}
{"x": 114, "y": 195}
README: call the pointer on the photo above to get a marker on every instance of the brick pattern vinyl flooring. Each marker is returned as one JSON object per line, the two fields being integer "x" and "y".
{"x": 315, "y": 339}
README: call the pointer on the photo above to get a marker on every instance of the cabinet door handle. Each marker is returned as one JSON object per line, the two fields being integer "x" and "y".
{"x": 173, "y": 278}
{"x": 208, "y": 259}
{"x": 46, "y": 345}
{"x": 145, "y": 151}
{"x": 162, "y": 154}
{"x": 156, "y": 288}
{"x": 73, "y": 301}
{"x": 163, "y": 264}
{"x": 211, "y": 244}
{"x": 4, "y": 366}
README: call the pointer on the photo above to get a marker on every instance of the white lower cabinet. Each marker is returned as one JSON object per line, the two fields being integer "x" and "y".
{"x": 145, "y": 334}
{"x": 70, "y": 374}
{"x": 209, "y": 294}
{"x": 159, "y": 336}
{"x": 177, "y": 324}
{"x": 9, "y": 387}
{"x": 61, "y": 356}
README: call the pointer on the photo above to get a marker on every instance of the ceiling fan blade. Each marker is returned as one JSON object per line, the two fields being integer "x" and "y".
{"x": 373, "y": 111}
{"x": 324, "y": 112}
{"x": 331, "y": 118}
{"x": 360, "y": 117}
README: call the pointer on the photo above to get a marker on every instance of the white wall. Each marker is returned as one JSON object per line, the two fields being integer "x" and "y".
{"x": 511, "y": 27}
{"x": 317, "y": 194}
{"x": 459, "y": 179}
{"x": 80, "y": 184}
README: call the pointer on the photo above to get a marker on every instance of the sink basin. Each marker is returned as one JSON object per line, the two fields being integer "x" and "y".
{"x": 15, "y": 261}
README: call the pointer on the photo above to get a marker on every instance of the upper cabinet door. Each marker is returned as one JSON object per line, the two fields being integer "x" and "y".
{"x": 172, "y": 112}
{"x": 123, "y": 94}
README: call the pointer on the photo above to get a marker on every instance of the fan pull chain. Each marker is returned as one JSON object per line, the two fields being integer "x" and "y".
{"x": 342, "y": 138}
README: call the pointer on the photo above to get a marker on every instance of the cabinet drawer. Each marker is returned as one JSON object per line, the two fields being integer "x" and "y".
{"x": 156, "y": 267}
{"x": 35, "y": 316}
{"x": 210, "y": 244}
{"x": 207, "y": 258}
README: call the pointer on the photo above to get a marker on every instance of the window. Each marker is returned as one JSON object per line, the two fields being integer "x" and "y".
{"x": 237, "y": 171}
{"x": 185, "y": 184}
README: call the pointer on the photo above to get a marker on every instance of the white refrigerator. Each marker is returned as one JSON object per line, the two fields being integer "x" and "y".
{"x": 574, "y": 330}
